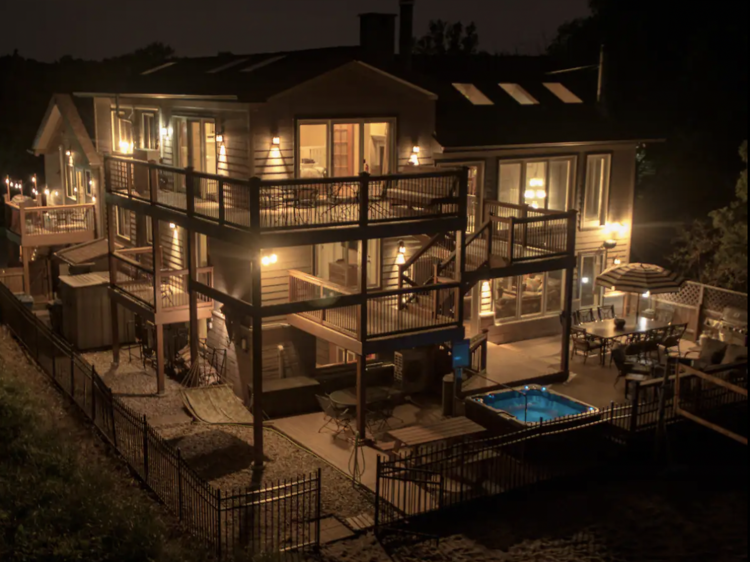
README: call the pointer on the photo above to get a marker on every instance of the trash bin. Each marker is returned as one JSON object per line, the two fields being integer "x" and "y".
{"x": 55, "y": 315}
{"x": 449, "y": 392}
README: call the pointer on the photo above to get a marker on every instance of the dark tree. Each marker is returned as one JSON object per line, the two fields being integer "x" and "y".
{"x": 444, "y": 38}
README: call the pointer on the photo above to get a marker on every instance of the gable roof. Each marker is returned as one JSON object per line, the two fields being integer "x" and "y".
{"x": 63, "y": 109}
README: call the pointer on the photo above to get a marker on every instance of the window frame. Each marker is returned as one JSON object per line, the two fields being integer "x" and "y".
{"x": 604, "y": 192}
{"x": 519, "y": 315}
{"x": 599, "y": 266}
{"x": 116, "y": 119}
{"x": 125, "y": 234}
{"x": 572, "y": 159}
{"x": 202, "y": 119}
{"x": 330, "y": 122}
{"x": 88, "y": 181}
{"x": 154, "y": 115}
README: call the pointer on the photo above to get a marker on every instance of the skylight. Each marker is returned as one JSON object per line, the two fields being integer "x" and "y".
{"x": 562, "y": 92}
{"x": 473, "y": 94}
{"x": 264, "y": 63}
{"x": 519, "y": 94}
{"x": 227, "y": 66}
{"x": 158, "y": 68}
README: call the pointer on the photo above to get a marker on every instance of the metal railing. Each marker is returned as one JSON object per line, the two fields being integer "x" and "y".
{"x": 175, "y": 287}
{"x": 288, "y": 204}
{"x": 389, "y": 313}
{"x": 238, "y": 524}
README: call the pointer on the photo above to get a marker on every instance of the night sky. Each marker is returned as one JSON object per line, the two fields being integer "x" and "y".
{"x": 95, "y": 29}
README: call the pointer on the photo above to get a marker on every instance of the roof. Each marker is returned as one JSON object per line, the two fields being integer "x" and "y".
{"x": 86, "y": 253}
{"x": 63, "y": 107}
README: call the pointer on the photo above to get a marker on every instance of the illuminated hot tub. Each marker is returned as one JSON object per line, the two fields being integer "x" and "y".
{"x": 526, "y": 406}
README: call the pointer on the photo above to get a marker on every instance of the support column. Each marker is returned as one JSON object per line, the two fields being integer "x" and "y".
{"x": 364, "y": 211}
{"x": 361, "y": 397}
{"x": 257, "y": 362}
{"x": 192, "y": 251}
{"x": 567, "y": 317}
{"x": 26, "y": 251}
{"x": 110, "y": 209}
{"x": 160, "y": 382}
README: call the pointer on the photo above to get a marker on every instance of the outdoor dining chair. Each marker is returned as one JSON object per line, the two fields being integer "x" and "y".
{"x": 587, "y": 315}
{"x": 627, "y": 367}
{"x": 340, "y": 417}
{"x": 379, "y": 416}
{"x": 607, "y": 312}
{"x": 653, "y": 342}
{"x": 586, "y": 344}
{"x": 671, "y": 343}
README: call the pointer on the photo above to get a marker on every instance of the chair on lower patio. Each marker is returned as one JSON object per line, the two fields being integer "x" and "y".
{"x": 671, "y": 343}
{"x": 340, "y": 417}
{"x": 586, "y": 316}
{"x": 607, "y": 312}
{"x": 626, "y": 368}
{"x": 379, "y": 416}
{"x": 586, "y": 344}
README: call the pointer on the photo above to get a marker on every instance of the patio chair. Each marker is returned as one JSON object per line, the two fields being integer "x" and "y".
{"x": 671, "y": 343}
{"x": 587, "y": 315}
{"x": 607, "y": 312}
{"x": 586, "y": 344}
{"x": 626, "y": 367}
{"x": 341, "y": 418}
{"x": 379, "y": 416}
{"x": 654, "y": 339}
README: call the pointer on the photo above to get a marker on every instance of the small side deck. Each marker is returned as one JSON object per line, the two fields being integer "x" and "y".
{"x": 50, "y": 226}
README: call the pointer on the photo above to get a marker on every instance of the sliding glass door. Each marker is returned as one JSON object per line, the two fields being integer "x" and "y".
{"x": 529, "y": 296}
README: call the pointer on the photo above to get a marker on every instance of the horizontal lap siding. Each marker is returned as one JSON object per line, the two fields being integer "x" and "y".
{"x": 275, "y": 280}
{"x": 236, "y": 135}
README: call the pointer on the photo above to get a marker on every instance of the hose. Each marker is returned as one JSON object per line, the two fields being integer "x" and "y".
{"x": 356, "y": 467}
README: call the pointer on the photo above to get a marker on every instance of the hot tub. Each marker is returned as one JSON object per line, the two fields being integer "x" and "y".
{"x": 518, "y": 408}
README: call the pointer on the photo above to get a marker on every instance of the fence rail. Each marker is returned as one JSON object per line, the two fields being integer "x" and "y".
{"x": 289, "y": 204}
{"x": 280, "y": 517}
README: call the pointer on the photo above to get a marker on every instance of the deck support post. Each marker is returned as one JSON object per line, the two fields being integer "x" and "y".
{"x": 193, "y": 296}
{"x": 110, "y": 209}
{"x": 567, "y": 316}
{"x": 361, "y": 397}
{"x": 26, "y": 269}
{"x": 160, "y": 382}
{"x": 362, "y": 328}
{"x": 256, "y": 299}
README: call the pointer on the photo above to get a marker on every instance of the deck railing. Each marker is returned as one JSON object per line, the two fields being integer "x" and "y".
{"x": 288, "y": 204}
{"x": 389, "y": 313}
{"x": 34, "y": 224}
{"x": 175, "y": 287}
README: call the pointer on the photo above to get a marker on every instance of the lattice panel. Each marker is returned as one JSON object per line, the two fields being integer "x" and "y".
{"x": 717, "y": 300}
{"x": 689, "y": 295}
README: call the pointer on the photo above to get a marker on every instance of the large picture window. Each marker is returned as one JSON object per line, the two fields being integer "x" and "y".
{"x": 541, "y": 184}
{"x": 598, "y": 169}
{"x": 528, "y": 296}
{"x": 345, "y": 148}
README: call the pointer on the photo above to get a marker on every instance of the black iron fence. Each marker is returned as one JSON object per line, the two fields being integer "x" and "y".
{"x": 281, "y": 517}
{"x": 442, "y": 476}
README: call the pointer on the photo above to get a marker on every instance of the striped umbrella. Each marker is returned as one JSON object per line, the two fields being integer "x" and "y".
{"x": 640, "y": 278}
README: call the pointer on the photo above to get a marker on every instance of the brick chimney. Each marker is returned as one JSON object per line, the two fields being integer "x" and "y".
{"x": 406, "y": 33}
{"x": 377, "y": 35}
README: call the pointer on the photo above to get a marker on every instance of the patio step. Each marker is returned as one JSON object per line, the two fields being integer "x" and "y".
{"x": 361, "y": 523}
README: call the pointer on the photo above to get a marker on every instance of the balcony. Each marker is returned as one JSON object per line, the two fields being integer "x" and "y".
{"x": 390, "y": 314}
{"x": 51, "y": 226}
{"x": 169, "y": 298}
{"x": 290, "y": 205}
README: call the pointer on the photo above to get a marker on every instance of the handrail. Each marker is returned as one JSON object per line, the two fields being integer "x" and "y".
{"x": 421, "y": 252}
{"x": 133, "y": 263}
{"x": 60, "y": 207}
{"x": 183, "y": 272}
{"x": 321, "y": 282}
{"x": 143, "y": 250}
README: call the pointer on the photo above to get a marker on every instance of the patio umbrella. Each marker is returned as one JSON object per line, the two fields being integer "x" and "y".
{"x": 642, "y": 279}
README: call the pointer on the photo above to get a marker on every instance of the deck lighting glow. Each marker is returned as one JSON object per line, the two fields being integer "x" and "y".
{"x": 618, "y": 261}
{"x": 414, "y": 158}
{"x": 586, "y": 280}
{"x": 269, "y": 260}
{"x": 401, "y": 256}
{"x": 172, "y": 225}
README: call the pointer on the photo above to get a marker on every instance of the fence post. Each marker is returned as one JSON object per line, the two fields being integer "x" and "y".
{"x": 112, "y": 416}
{"x": 377, "y": 493}
{"x": 145, "y": 449}
{"x": 634, "y": 409}
{"x": 179, "y": 481}
{"x": 218, "y": 522}
{"x": 93, "y": 398}
{"x": 319, "y": 506}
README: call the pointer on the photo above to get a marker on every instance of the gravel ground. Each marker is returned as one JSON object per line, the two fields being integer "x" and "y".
{"x": 223, "y": 455}
{"x": 687, "y": 517}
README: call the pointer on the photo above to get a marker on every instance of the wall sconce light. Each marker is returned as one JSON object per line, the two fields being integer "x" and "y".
{"x": 93, "y": 199}
{"x": 647, "y": 295}
{"x": 586, "y": 280}
{"x": 33, "y": 179}
{"x": 243, "y": 344}
{"x": 210, "y": 325}
{"x": 618, "y": 261}
{"x": 276, "y": 147}
{"x": 220, "y": 138}
{"x": 269, "y": 260}
{"x": 414, "y": 158}
{"x": 401, "y": 256}
{"x": 610, "y": 244}
{"x": 68, "y": 153}
{"x": 56, "y": 193}
{"x": 164, "y": 132}
{"x": 172, "y": 225}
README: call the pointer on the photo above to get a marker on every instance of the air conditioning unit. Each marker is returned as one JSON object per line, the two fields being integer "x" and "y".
{"x": 413, "y": 371}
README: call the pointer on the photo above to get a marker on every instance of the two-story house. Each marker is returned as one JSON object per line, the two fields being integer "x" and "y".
{"x": 334, "y": 206}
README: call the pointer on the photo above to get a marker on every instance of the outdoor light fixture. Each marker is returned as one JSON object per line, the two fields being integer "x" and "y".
{"x": 172, "y": 225}
{"x": 414, "y": 158}
{"x": 276, "y": 147}
{"x": 164, "y": 132}
{"x": 401, "y": 256}
{"x": 269, "y": 260}
{"x": 586, "y": 280}
{"x": 46, "y": 192}
{"x": 219, "y": 138}
{"x": 610, "y": 244}
{"x": 647, "y": 295}
{"x": 486, "y": 299}
{"x": 615, "y": 228}
{"x": 618, "y": 261}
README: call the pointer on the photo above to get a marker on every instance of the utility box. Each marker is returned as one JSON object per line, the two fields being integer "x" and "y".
{"x": 87, "y": 314}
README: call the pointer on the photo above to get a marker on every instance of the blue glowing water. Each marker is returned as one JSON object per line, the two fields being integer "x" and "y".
{"x": 542, "y": 406}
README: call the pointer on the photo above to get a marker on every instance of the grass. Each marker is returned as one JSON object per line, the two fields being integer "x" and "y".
{"x": 61, "y": 500}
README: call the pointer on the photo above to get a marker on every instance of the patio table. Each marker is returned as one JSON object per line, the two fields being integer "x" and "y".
{"x": 607, "y": 332}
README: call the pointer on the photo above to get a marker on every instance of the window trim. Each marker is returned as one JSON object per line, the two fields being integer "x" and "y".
{"x": 330, "y": 122}
{"x": 605, "y": 191}
{"x": 88, "y": 180}
{"x": 202, "y": 119}
{"x": 155, "y": 116}
{"x": 121, "y": 233}
{"x": 519, "y": 316}
{"x": 548, "y": 160}
{"x": 598, "y": 258}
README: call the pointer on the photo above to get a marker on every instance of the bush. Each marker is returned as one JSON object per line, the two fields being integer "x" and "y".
{"x": 56, "y": 507}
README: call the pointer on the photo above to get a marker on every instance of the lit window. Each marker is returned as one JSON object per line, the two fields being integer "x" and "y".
{"x": 122, "y": 132}
{"x": 597, "y": 190}
{"x": 562, "y": 92}
{"x": 473, "y": 94}
{"x": 519, "y": 94}
{"x": 149, "y": 132}
{"x": 542, "y": 184}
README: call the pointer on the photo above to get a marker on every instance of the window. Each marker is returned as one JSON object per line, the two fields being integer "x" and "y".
{"x": 473, "y": 94}
{"x": 149, "y": 131}
{"x": 196, "y": 144}
{"x": 122, "y": 219}
{"x": 541, "y": 184}
{"x": 597, "y": 190}
{"x": 122, "y": 131}
{"x": 345, "y": 148}
{"x": 339, "y": 263}
{"x": 562, "y": 92}
{"x": 88, "y": 183}
{"x": 519, "y": 94}
{"x": 149, "y": 230}
{"x": 590, "y": 267}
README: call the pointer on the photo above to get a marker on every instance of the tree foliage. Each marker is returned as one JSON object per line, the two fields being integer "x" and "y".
{"x": 715, "y": 251}
{"x": 444, "y": 38}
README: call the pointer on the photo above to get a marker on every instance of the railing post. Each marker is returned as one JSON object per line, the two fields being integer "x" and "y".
{"x": 112, "y": 416}
{"x": 145, "y": 449}
{"x": 179, "y": 482}
{"x": 377, "y": 492}
{"x": 93, "y": 399}
{"x": 255, "y": 186}
{"x": 190, "y": 188}
{"x": 153, "y": 182}
{"x": 222, "y": 208}
{"x": 525, "y": 215}
{"x": 635, "y": 409}
{"x": 218, "y": 522}
{"x": 319, "y": 505}
{"x": 511, "y": 239}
